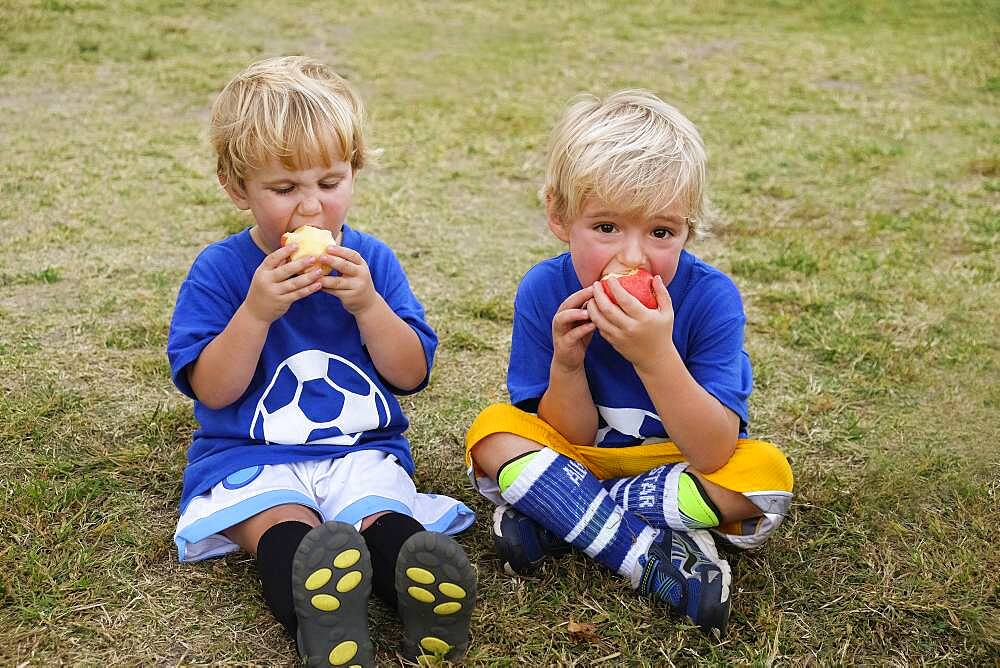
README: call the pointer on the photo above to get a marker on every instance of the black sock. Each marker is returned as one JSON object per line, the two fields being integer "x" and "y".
{"x": 275, "y": 552}
{"x": 384, "y": 538}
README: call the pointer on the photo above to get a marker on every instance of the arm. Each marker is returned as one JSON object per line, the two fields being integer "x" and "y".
{"x": 223, "y": 370}
{"x": 702, "y": 428}
{"x": 393, "y": 345}
{"x": 567, "y": 404}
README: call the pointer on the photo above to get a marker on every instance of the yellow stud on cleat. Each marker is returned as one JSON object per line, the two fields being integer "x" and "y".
{"x": 325, "y": 602}
{"x": 449, "y": 608}
{"x": 347, "y": 558}
{"x": 318, "y": 579}
{"x": 420, "y": 575}
{"x": 435, "y": 645}
{"x": 349, "y": 581}
{"x": 421, "y": 594}
{"x": 343, "y": 652}
{"x": 452, "y": 590}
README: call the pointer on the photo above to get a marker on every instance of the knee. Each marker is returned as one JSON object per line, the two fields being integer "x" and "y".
{"x": 773, "y": 466}
{"x": 493, "y": 451}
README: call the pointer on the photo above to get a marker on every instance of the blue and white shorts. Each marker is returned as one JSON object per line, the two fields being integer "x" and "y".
{"x": 346, "y": 489}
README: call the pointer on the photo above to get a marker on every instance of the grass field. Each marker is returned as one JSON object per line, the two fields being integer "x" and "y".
{"x": 855, "y": 169}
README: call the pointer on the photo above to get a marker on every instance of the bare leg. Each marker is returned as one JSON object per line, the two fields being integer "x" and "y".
{"x": 732, "y": 505}
{"x": 497, "y": 449}
{"x": 247, "y": 533}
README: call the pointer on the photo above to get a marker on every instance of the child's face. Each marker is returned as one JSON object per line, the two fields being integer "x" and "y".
{"x": 604, "y": 238}
{"x": 283, "y": 200}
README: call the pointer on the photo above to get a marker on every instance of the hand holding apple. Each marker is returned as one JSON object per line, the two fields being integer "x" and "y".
{"x": 642, "y": 335}
{"x": 637, "y": 282}
{"x": 311, "y": 242}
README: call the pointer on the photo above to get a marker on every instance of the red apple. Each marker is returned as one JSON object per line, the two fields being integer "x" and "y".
{"x": 637, "y": 282}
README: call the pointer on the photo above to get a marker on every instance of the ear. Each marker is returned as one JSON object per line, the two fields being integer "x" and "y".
{"x": 555, "y": 221}
{"x": 236, "y": 193}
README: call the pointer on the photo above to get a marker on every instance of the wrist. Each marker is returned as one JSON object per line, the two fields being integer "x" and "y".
{"x": 655, "y": 361}
{"x": 370, "y": 308}
{"x": 247, "y": 313}
{"x": 558, "y": 368}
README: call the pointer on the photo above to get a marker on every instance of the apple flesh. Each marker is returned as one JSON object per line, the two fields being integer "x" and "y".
{"x": 311, "y": 241}
{"x": 637, "y": 282}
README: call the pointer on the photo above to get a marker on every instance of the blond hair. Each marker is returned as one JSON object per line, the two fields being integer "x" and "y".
{"x": 631, "y": 149}
{"x": 293, "y": 109}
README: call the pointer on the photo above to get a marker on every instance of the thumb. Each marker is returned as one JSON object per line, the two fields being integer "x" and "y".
{"x": 662, "y": 296}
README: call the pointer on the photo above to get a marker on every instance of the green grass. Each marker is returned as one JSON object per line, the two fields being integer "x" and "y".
{"x": 854, "y": 155}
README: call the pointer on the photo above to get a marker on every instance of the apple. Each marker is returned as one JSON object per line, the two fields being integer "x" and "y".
{"x": 637, "y": 282}
{"x": 311, "y": 241}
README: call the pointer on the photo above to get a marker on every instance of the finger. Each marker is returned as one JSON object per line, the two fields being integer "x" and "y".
{"x": 300, "y": 281}
{"x": 577, "y": 299}
{"x": 304, "y": 291}
{"x": 601, "y": 301}
{"x": 334, "y": 283}
{"x": 300, "y": 266}
{"x": 597, "y": 315}
{"x": 627, "y": 307}
{"x": 576, "y": 334}
{"x": 345, "y": 253}
{"x": 570, "y": 316}
{"x": 278, "y": 257}
{"x": 663, "y": 300}
{"x": 622, "y": 296}
{"x": 341, "y": 265}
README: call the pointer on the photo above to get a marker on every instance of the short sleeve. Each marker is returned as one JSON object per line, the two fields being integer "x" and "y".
{"x": 531, "y": 347}
{"x": 206, "y": 302}
{"x": 715, "y": 357}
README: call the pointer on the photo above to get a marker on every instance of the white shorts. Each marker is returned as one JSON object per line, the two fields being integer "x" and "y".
{"x": 347, "y": 489}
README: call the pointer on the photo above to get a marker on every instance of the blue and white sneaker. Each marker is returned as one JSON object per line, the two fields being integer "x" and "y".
{"x": 684, "y": 570}
{"x": 522, "y": 544}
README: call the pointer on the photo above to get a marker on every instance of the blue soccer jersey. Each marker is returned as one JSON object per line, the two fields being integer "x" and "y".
{"x": 315, "y": 393}
{"x": 708, "y": 335}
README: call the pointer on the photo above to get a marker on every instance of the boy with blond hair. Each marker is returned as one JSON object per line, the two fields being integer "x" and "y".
{"x": 627, "y": 437}
{"x": 293, "y": 364}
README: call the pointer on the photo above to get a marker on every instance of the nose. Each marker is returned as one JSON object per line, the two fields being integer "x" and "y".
{"x": 631, "y": 253}
{"x": 309, "y": 204}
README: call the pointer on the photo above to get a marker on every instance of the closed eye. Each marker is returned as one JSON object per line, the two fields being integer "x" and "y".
{"x": 284, "y": 191}
{"x": 329, "y": 185}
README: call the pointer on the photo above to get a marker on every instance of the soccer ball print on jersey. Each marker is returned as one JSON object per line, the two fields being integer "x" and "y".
{"x": 317, "y": 397}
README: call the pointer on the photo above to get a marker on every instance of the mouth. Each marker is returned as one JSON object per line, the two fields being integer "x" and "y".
{"x": 620, "y": 274}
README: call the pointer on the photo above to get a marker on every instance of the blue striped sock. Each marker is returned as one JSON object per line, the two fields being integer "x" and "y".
{"x": 561, "y": 495}
{"x": 654, "y": 497}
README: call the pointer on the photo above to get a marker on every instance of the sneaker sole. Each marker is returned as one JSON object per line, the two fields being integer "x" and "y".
{"x": 436, "y": 586}
{"x": 331, "y": 583}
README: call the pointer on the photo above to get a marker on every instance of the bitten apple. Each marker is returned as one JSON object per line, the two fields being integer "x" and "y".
{"x": 637, "y": 282}
{"x": 311, "y": 241}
